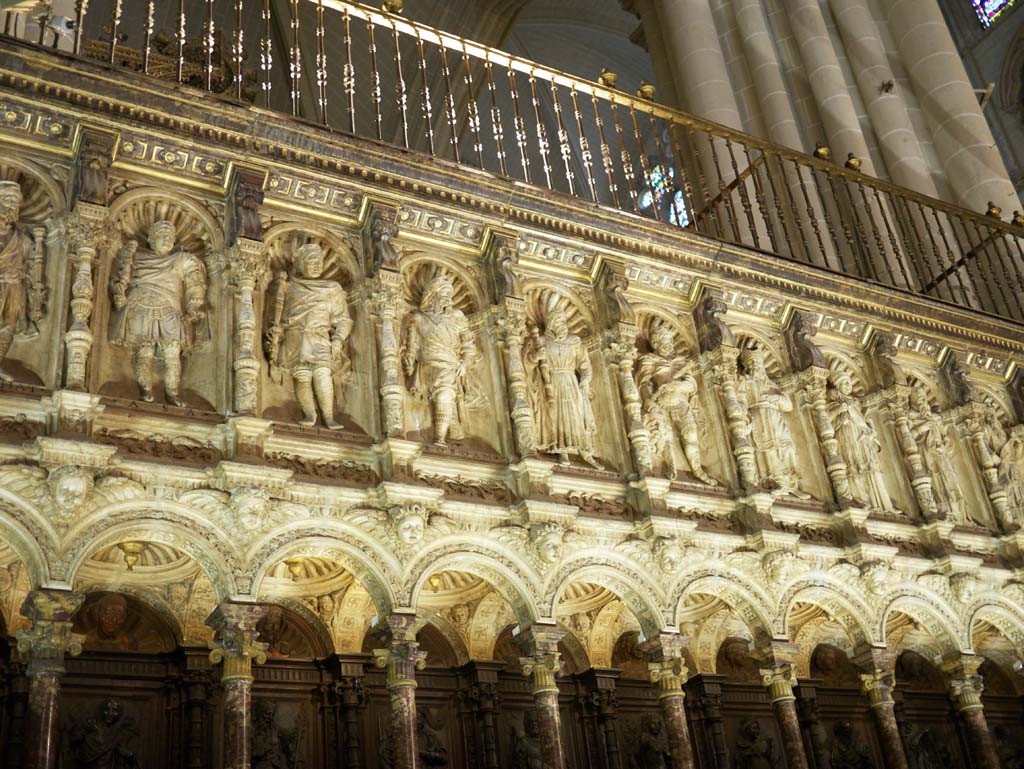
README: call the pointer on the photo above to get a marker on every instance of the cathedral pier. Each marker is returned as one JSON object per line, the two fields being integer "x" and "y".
{"x": 778, "y": 677}
{"x": 45, "y": 645}
{"x": 542, "y": 664}
{"x": 965, "y": 688}
{"x": 236, "y": 646}
{"x": 669, "y": 673}
{"x": 400, "y": 659}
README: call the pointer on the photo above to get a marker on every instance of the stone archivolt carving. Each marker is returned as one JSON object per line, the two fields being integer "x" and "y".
{"x": 159, "y": 299}
{"x": 668, "y": 389}
{"x": 858, "y": 444}
{"x": 22, "y": 282}
{"x": 930, "y": 432}
{"x": 307, "y": 337}
{"x": 438, "y": 357}
{"x": 775, "y": 449}
{"x": 561, "y": 381}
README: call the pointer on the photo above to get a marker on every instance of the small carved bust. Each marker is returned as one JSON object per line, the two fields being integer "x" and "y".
{"x": 668, "y": 554}
{"x": 250, "y": 506}
{"x": 546, "y": 539}
{"x": 409, "y": 523}
{"x": 70, "y": 487}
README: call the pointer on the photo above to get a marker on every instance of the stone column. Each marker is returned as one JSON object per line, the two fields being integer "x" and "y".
{"x": 509, "y": 319}
{"x": 542, "y": 665}
{"x": 965, "y": 688}
{"x": 236, "y": 646}
{"x": 720, "y": 365}
{"x": 44, "y": 645}
{"x": 401, "y": 658}
{"x": 669, "y": 673}
{"x": 246, "y": 271}
{"x": 878, "y": 686}
{"x": 386, "y": 298}
{"x": 16, "y": 713}
{"x": 835, "y": 107}
{"x": 960, "y": 132}
{"x": 778, "y": 677}
{"x": 89, "y": 234}
{"x": 710, "y": 703}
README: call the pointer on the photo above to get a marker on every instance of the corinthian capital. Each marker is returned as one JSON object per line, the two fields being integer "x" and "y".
{"x": 236, "y": 645}
{"x": 50, "y": 636}
{"x": 878, "y": 686}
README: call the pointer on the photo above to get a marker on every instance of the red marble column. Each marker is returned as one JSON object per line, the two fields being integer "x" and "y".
{"x": 966, "y": 694}
{"x": 542, "y": 665}
{"x": 878, "y": 687}
{"x": 45, "y": 645}
{"x": 401, "y": 658}
{"x": 670, "y": 675}
{"x": 236, "y": 646}
{"x": 780, "y": 680}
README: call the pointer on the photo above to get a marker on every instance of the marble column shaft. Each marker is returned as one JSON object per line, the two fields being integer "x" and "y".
{"x": 669, "y": 672}
{"x": 878, "y": 687}
{"x": 400, "y": 660}
{"x": 542, "y": 665}
{"x": 45, "y": 645}
{"x": 780, "y": 680}
{"x": 236, "y": 646}
{"x": 966, "y": 694}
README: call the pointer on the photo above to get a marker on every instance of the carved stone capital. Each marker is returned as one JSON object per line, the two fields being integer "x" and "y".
{"x": 779, "y": 680}
{"x": 670, "y": 675}
{"x": 247, "y": 264}
{"x": 401, "y": 657}
{"x": 542, "y": 669}
{"x": 878, "y": 685}
{"x": 50, "y": 636}
{"x": 966, "y": 693}
{"x": 236, "y": 645}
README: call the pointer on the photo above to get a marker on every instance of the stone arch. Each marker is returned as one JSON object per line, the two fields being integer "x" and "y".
{"x": 152, "y": 606}
{"x": 542, "y": 297}
{"x": 316, "y": 633}
{"x": 1002, "y": 614}
{"x": 606, "y": 632}
{"x": 842, "y": 605}
{"x": 510, "y": 579}
{"x": 651, "y": 316}
{"x": 840, "y": 361}
{"x": 168, "y": 523}
{"x": 42, "y": 195}
{"x": 932, "y": 614}
{"x": 198, "y": 229}
{"x": 735, "y": 592}
{"x": 340, "y": 260}
{"x": 484, "y": 627}
{"x": 19, "y": 538}
{"x": 363, "y": 561}
{"x": 444, "y": 627}
{"x": 776, "y": 359}
{"x": 418, "y": 268}
{"x": 618, "y": 575}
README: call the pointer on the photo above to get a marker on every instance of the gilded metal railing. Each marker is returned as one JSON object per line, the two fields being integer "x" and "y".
{"x": 371, "y": 73}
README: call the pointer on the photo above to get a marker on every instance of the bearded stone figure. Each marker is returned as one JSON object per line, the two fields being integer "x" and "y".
{"x": 936, "y": 453}
{"x": 439, "y": 353}
{"x": 159, "y": 298}
{"x": 19, "y": 257}
{"x": 308, "y": 339}
{"x": 561, "y": 390}
{"x": 669, "y": 392}
{"x": 775, "y": 449}
{"x": 859, "y": 445}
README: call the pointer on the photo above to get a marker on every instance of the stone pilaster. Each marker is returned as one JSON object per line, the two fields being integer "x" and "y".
{"x": 897, "y": 407}
{"x": 196, "y": 684}
{"x": 236, "y": 646}
{"x": 89, "y": 233}
{"x": 965, "y": 688}
{"x": 779, "y": 679}
{"x": 620, "y": 352}
{"x": 814, "y": 382}
{"x": 667, "y": 670}
{"x": 351, "y": 697}
{"x": 509, "y": 318}
{"x": 973, "y": 420}
{"x": 247, "y": 270}
{"x": 602, "y": 701}
{"x": 44, "y": 645}
{"x": 400, "y": 659}
{"x": 720, "y": 366}
{"x": 542, "y": 665}
{"x": 386, "y": 300}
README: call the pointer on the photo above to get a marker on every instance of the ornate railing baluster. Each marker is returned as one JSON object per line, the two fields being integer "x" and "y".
{"x": 542, "y": 134}
{"x": 238, "y": 48}
{"x": 349, "y": 72}
{"x": 624, "y": 157}
{"x": 401, "y": 93}
{"x": 376, "y": 90}
{"x": 473, "y": 108}
{"x": 648, "y": 179}
{"x": 181, "y": 40}
{"x": 208, "y": 45}
{"x": 585, "y": 156}
{"x": 321, "y": 63}
{"x": 520, "y": 126}
{"x": 115, "y": 27}
{"x": 148, "y": 35}
{"x": 449, "y": 104}
{"x": 266, "y": 53}
{"x": 564, "y": 146}
{"x": 496, "y": 128}
{"x": 428, "y": 112}
{"x": 295, "y": 57}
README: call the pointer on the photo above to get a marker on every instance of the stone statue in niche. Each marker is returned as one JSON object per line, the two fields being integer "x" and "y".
{"x": 668, "y": 389}
{"x": 439, "y": 355}
{"x": 775, "y": 450}
{"x": 22, "y": 286}
{"x": 560, "y": 390}
{"x": 650, "y": 747}
{"x": 936, "y": 449}
{"x": 275, "y": 746}
{"x": 104, "y": 740}
{"x": 859, "y": 445}
{"x": 308, "y": 336}
{"x": 1011, "y": 471}
{"x": 846, "y": 751}
{"x": 159, "y": 298}
{"x": 753, "y": 750}
{"x": 526, "y": 749}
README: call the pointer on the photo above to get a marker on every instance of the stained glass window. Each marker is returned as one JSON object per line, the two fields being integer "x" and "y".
{"x": 663, "y": 195}
{"x": 988, "y": 10}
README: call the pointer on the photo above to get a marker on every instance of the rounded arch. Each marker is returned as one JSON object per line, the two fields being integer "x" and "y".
{"x": 26, "y": 548}
{"x": 836, "y": 600}
{"x": 340, "y": 261}
{"x": 542, "y": 297}
{"x": 136, "y": 209}
{"x": 139, "y": 619}
{"x": 1000, "y": 613}
{"x": 733, "y": 590}
{"x": 447, "y": 630}
{"x": 42, "y": 195}
{"x": 311, "y": 626}
{"x": 652, "y": 316}
{"x": 932, "y": 614}
{"x": 419, "y": 268}
{"x": 511, "y": 580}
{"x": 776, "y": 359}
{"x": 326, "y": 544}
{"x": 618, "y": 576}
{"x": 172, "y": 524}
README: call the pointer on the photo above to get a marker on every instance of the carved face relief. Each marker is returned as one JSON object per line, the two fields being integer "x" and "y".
{"x": 668, "y": 554}
{"x": 112, "y": 710}
{"x": 250, "y": 506}
{"x": 547, "y": 541}
{"x": 460, "y": 614}
{"x": 325, "y": 606}
{"x": 111, "y": 614}
{"x": 10, "y": 203}
{"x": 557, "y": 325}
{"x": 70, "y": 487}
{"x": 161, "y": 237}
{"x": 964, "y": 586}
{"x": 663, "y": 342}
{"x": 844, "y": 384}
{"x": 410, "y": 524}
{"x": 310, "y": 261}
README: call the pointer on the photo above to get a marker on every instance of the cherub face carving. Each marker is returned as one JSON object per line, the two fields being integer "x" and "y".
{"x": 410, "y": 524}
{"x": 250, "y": 504}
{"x": 547, "y": 541}
{"x": 668, "y": 554}
{"x": 70, "y": 487}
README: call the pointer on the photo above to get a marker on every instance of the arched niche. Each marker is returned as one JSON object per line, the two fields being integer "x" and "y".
{"x": 735, "y": 662}
{"x": 117, "y": 622}
{"x": 915, "y": 672}
{"x": 831, "y": 665}
{"x": 291, "y": 634}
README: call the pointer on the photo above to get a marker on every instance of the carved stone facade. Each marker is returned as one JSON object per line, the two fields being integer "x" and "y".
{"x": 391, "y": 443}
